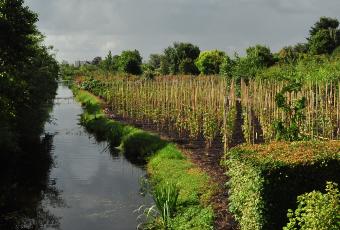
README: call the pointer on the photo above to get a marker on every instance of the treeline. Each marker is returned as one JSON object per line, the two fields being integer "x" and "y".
{"x": 28, "y": 73}
{"x": 321, "y": 46}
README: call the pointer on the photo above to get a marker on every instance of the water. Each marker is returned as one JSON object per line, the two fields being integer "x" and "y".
{"x": 84, "y": 186}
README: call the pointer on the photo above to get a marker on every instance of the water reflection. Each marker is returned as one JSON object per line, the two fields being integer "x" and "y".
{"x": 25, "y": 188}
{"x": 86, "y": 185}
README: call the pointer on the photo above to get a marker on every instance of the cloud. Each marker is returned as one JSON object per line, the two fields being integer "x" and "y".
{"x": 83, "y": 29}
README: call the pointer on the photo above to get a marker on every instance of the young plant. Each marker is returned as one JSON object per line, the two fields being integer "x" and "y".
{"x": 294, "y": 113}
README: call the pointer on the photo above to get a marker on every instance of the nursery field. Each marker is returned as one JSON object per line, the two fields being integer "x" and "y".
{"x": 206, "y": 107}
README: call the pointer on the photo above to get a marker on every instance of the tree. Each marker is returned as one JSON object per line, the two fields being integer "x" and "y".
{"x": 155, "y": 61}
{"x": 324, "y": 36}
{"x": 130, "y": 62}
{"x": 260, "y": 56}
{"x": 227, "y": 66}
{"x": 288, "y": 55}
{"x": 324, "y": 23}
{"x": 209, "y": 62}
{"x": 187, "y": 66}
{"x": 96, "y": 61}
{"x": 322, "y": 42}
{"x": 28, "y": 74}
{"x": 178, "y": 53}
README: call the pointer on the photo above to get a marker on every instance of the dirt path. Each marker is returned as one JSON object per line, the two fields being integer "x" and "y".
{"x": 207, "y": 159}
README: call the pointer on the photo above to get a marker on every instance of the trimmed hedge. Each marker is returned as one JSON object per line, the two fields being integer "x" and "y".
{"x": 265, "y": 180}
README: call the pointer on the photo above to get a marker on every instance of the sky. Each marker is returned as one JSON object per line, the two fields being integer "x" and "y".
{"x": 84, "y": 29}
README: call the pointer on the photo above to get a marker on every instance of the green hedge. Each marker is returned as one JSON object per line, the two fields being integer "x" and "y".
{"x": 265, "y": 180}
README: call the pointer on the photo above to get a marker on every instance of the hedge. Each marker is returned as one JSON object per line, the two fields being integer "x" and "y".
{"x": 265, "y": 180}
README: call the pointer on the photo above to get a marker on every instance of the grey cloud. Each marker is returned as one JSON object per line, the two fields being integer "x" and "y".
{"x": 82, "y": 29}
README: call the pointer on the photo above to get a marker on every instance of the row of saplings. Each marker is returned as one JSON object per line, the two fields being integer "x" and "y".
{"x": 269, "y": 180}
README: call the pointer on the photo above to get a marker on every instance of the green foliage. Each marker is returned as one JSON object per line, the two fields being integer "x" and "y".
{"x": 336, "y": 52}
{"x": 155, "y": 61}
{"x": 187, "y": 66}
{"x": 180, "y": 54}
{"x": 260, "y": 56}
{"x": 323, "y": 42}
{"x": 209, "y": 62}
{"x": 245, "y": 68}
{"x": 266, "y": 179}
{"x": 324, "y": 36}
{"x": 226, "y": 67}
{"x": 165, "y": 197}
{"x": 316, "y": 210}
{"x": 288, "y": 55}
{"x": 130, "y": 62}
{"x": 28, "y": 74}
{"x": 324, "y": 23}
{"x": 289, "y": 129}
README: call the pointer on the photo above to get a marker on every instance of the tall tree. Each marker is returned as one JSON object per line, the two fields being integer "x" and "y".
{"x": 130, "y": 62}
{"x": 181, "y": 54}
{"x": 324, "y": 36}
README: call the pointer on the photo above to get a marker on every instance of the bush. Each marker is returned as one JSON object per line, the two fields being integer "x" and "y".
{"x": 266, "y": 179}
{"x": 316, "y": 210}
{"x": 209, "y": 62}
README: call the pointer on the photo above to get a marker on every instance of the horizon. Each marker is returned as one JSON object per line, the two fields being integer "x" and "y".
{"x": 82, "y": 32}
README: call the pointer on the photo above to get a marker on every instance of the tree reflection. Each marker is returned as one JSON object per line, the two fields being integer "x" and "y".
{"x": 26, "y": 189}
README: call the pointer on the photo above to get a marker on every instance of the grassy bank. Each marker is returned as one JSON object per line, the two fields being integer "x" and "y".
{"x": 165, "y": 163}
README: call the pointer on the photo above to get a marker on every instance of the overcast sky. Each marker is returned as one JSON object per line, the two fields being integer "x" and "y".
{"x": 83, "y": 29}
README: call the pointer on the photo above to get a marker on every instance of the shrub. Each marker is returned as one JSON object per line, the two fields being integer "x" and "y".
{"x": 266, "y": 179}
{"x": 209, "y": 61}
{"x": 316, "y": 210}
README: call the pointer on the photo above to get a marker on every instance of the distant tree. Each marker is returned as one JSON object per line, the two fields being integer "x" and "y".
{"x": 178, "y": 53}
{"x": 244, "y": 67}
{"x": 164, "y": 65}
{"x": 155, "y": 61}
{"x": 324, "y": 23}
{"x": 110, "y": 63}
{"x": 130, "y": 62}
{"x": 288, "y": 55}
{"x": 187, "y": 66}
{"x": 322, "y": 42}
{"x": 260, "y": 56}
{"x": 96, "y": 61}
{"x": 301, "y": 48}
{"x": 324, "y": 36}
{"x": 209, "y": 61}
{"x": 226, "y": 66}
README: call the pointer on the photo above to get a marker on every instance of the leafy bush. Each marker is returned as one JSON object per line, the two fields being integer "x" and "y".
{"x": 209, "y": 61}
{"x": 266, "y": 179}
{"x": 316, "y": 210}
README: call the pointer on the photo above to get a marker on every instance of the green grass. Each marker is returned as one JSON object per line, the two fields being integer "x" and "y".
{"x": 165, "y": 163}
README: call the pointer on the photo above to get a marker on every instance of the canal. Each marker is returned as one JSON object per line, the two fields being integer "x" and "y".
{"x": 74, "y": 183}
